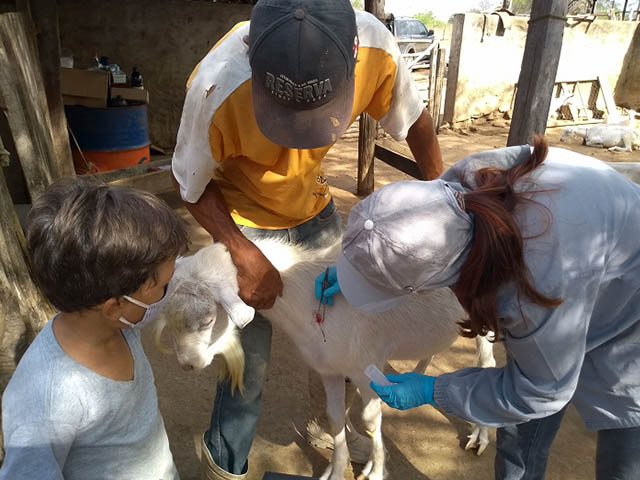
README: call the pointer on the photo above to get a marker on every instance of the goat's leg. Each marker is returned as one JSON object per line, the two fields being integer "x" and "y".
{"x": 372, "y": 419}
{"x": 334, "y": 389}
{"x": 422, "y": 365}
{"x": 484, "y": 358}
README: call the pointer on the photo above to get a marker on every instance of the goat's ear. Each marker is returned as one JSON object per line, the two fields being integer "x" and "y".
{"x": 239, "y": 312}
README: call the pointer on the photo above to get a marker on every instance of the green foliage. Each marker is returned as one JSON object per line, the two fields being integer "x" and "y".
{"x": 522, "y": 7}
{"x": 357, "y": 4}
{"x": 429, "y": 20}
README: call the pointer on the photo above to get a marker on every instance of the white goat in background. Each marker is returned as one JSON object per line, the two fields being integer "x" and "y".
{"x": 203, "y": 298}
{"x": 615, "y": 138}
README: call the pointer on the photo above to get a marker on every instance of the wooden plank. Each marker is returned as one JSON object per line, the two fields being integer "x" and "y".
{"x": 607, "y": 94}
{"x": 154, "y": 182}
{"x": 397, "y": 156}
{"x": 538, "y": 72}
{"x": 44, "y": 14}
{"x": 21, "y": 86}
{"x": 433, "y": 62}
{"x": 439, "y": 87}
{"x": 113, "y": 175}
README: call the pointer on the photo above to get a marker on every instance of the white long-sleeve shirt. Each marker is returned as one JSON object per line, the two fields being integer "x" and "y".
{"x": 62, "y": 420}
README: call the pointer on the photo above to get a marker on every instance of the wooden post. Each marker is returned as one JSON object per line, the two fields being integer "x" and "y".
{"x": 538, "y": 72}
{"x": 366, "y": 146}
{"x": 368, "y": 126}
{"x": 455, "y": 53}
{"x": 44, "y": 14}
{"x": 433, "y": 68}
{"x": 23, "y": 309}
{"x": 22, "y": 91}
{"x": 439, "y": 87}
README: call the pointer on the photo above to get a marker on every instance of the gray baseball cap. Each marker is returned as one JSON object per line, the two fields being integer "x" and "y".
{"x": 404, "y": 238}
{"x": 303, "y": 56}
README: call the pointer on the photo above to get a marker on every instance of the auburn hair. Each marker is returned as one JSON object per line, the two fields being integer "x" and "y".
{"x": 496, "y": 256}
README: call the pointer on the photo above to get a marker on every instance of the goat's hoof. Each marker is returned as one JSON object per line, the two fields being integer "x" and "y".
{"x": 371, "y": 472}
{"x": 359, "y": 445}
{"x": 479, "y": 439}
{"x": 332, "y": 473}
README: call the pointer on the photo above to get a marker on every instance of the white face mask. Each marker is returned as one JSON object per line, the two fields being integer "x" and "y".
{"x": 149, "y": 315}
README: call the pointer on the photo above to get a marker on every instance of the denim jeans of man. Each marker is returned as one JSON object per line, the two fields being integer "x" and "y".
{"x": 234, "y": 418}
{"x": 522, "y": 451}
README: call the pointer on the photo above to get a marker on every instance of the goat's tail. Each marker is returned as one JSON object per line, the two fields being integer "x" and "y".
{"x": 232, "y": 365}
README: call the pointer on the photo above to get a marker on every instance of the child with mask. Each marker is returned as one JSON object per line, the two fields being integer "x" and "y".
{"x": 82, "y": 402}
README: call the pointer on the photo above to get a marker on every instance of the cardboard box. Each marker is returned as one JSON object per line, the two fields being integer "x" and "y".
{"x": 84, "y": 87}
{"x": 129, "y": 93}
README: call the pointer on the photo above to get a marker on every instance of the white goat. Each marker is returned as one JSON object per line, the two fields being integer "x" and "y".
{"x": 615, "y": 138}
{"x": 424, "y": 326}
{"x": 628, "y": 120}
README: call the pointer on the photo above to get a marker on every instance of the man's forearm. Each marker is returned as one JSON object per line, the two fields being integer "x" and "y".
{"x": 423, "y": 143}
{"x": 211, "y": 212}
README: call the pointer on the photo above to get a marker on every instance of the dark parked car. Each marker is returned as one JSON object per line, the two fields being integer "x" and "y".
{"x": 411, "y": 34}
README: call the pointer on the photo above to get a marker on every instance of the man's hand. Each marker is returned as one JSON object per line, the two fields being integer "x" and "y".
{"x": 258, "y": 280}
{"x": 409, "y": 390}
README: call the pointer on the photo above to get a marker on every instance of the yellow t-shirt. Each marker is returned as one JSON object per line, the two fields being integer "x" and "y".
{"x": 266, "y": 185}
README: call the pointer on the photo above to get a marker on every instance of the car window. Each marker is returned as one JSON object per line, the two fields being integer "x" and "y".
{"x": 418, "y": 28}
{"x": 402, "y": 28}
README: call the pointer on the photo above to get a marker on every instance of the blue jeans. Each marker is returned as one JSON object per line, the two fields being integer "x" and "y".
{"x": 234, "y": 418}
{"x": 522, "y": 451}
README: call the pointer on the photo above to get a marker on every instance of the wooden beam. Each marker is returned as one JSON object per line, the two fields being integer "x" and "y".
{"x": 154, "y": 182}
{"x": 368, "y": 126}
{"x": 538, "y": 72}
{"x": 397, "y": 156}
{"x": 44, "y": 14}
{"x": 21, "y": 87}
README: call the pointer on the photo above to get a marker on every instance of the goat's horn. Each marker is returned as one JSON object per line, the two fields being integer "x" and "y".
{"x": 157, "y": 336}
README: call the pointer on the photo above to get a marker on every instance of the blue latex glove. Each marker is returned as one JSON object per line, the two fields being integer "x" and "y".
{"x": 409, "y": 390}
{"x": 332, "y": 288}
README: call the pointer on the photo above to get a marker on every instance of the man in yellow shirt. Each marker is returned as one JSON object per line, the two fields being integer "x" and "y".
{"x": 262, "y": 110}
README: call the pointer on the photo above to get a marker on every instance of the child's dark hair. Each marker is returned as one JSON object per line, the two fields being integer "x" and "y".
{"x": 89, "y": 242}
{"x": 496, "y": 257}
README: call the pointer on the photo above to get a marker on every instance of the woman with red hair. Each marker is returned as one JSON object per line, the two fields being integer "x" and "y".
{"x": 542, "y": 247}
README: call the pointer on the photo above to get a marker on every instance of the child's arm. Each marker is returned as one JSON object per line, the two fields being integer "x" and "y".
{"x": 37, "y": 450}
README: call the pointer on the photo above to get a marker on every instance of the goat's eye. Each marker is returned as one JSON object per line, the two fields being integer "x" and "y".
{"x": 206, "y": 325}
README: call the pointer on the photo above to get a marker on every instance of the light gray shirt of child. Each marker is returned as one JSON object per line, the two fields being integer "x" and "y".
{"x": 585, "y": 249}
{"x": 62, "y": 420}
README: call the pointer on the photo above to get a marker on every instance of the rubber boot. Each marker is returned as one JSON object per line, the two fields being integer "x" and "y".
{"x": 208, "y": 468}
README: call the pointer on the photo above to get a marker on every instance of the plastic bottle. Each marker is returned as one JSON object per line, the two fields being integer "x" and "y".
{"x": 136, "y": 78}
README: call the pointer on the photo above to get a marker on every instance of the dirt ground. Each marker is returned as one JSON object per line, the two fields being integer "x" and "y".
{"x": 422, "y": 444}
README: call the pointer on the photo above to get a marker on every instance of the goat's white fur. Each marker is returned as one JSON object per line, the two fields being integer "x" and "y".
{"x": 613, "y": 137}
{"x": 425, "y": 325}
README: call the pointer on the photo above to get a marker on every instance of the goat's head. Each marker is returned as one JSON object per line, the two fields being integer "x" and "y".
{"x": 568, "y": 133}
{"x": 201, "y": 315}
